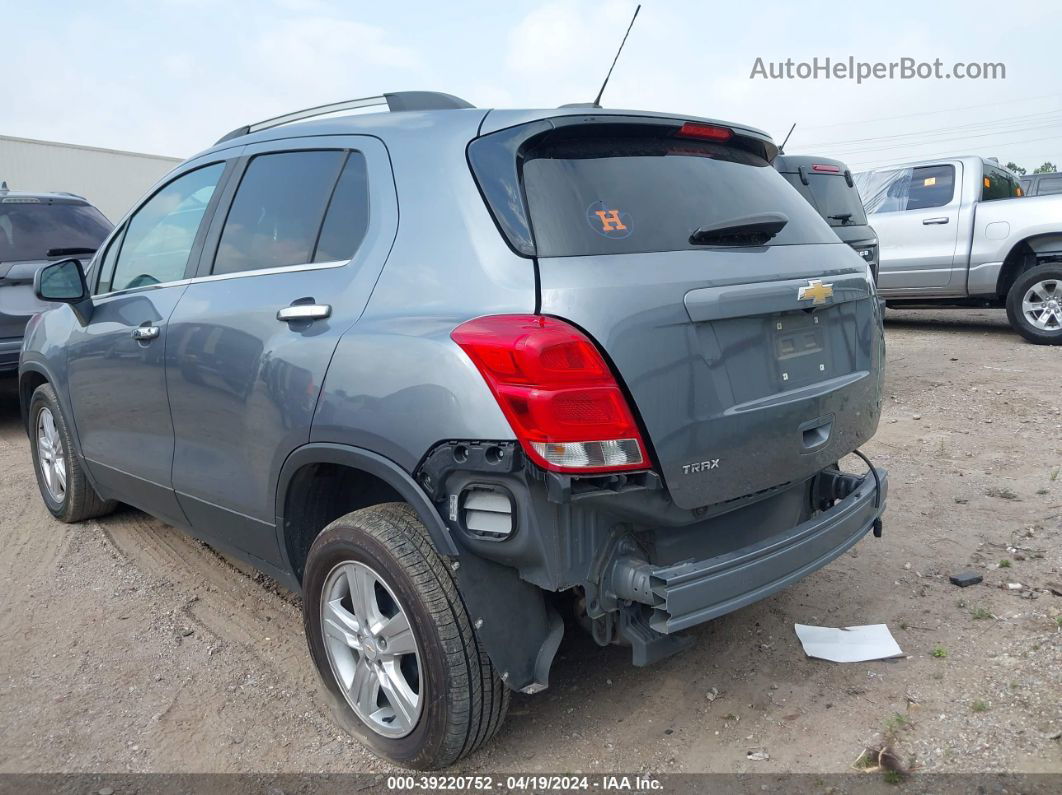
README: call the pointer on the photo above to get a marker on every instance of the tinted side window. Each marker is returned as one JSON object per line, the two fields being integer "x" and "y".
{"x": 1026, "y": 183}
{"x": 906, "y": 188}
{"x": 1049, "y": 185}
{"x": 278, "y": 210}
{"x": 998, "y": 184}
{"x": 931, "y": 186}
{"x": 347, "y": 218}
{"x": 159, "y": 237}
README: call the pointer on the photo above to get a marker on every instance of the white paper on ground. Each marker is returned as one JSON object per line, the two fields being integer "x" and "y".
{"x": 848, "y": 644}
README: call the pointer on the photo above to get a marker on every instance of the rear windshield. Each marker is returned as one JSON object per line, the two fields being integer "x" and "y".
{"x": 28, "y": 228}
{"x": 639, "y": 194}
{"x": 831, "y": 196}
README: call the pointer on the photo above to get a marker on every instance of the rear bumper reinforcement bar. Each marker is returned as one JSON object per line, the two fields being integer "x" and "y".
{"x": 686, "y": 594}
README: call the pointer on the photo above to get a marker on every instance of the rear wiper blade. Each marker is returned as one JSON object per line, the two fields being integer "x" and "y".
{"x": 844, "y": 218}
{"x": 69, "y": 252}
{"x": 748, "y": 230}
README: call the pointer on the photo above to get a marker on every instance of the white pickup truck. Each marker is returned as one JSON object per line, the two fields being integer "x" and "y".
{"x": 960, "y": 232}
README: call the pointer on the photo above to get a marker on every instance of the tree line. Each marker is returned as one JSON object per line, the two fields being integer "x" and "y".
{"x": 1047, "y": 168}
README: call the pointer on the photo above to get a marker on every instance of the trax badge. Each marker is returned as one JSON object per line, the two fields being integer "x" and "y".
{"x": 701, "y": 466}
{"x": 816, "y": 291}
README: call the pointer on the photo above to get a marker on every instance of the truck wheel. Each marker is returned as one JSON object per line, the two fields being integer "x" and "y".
{"x": 60, "y": 474}
{"x": 400, "y": 662}
{"x": 1034, "y": 304}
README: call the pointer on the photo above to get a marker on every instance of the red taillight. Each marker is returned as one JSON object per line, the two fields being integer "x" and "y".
{"x": 557, "y": 392}
{"x": 824, "y": 169}
{"x": 707, "y": 132}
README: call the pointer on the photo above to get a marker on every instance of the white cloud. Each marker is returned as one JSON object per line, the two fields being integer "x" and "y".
{"x": 312, "y": 47}
{"x": 567, "y": 47}
{"x": 179, "y": 64}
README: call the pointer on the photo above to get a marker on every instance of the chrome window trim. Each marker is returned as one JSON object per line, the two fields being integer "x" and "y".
{"x": 217, "y": 277}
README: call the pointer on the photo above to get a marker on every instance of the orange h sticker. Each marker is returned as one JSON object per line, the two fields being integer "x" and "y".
{"x": 610, "y": 220}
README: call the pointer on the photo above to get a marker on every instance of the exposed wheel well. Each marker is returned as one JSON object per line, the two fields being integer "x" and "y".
{"x": 27, "y": 385}
{"x": 317, "y": 495}
{"x": 1020, "y": 259}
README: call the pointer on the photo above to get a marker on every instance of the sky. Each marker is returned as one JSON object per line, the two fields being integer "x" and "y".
{"x": 169, "y": 77}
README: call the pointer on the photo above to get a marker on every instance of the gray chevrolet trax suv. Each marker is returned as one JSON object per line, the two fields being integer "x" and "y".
{"x": 451, "y": 372}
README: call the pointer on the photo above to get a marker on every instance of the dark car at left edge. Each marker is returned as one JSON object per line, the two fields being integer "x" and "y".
{"x": 35, "y": 229}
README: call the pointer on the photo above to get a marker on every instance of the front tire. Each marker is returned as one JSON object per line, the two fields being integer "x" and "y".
{"x": 1034, "y": 304}
{"x": 400, "y": 662}
{"x": 65, "y": 489}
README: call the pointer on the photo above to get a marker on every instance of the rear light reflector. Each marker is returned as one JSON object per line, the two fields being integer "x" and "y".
{"x": 580, "y": 455}
{"x": 707, "y": 132}
{"x": 825, "y": 169}
{"x": 557, "y": 392}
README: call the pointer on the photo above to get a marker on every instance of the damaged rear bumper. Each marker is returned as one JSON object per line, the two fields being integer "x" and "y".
{"x": 689, "y": 593}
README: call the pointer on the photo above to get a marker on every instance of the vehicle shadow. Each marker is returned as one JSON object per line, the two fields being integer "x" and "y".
{"x": 990, "y": 321}
{"x": 10, "y": 418}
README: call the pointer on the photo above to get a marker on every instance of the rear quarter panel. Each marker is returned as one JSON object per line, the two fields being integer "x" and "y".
{"x": 1001, "y": 225}
{"x": 397, "y": 383}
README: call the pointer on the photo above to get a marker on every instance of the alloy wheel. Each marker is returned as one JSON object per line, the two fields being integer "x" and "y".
{"x": 371, "y": 649}
{"x": 1042, "y": 305}
{"x": 50, "y": 455}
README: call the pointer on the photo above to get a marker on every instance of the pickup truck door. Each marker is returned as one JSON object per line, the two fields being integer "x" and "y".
{"x": 917, "y": 220}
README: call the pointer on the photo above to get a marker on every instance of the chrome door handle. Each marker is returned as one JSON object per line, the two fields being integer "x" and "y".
{"x": 298, "y": 312}
{"x": 145, "y": 333}
{"x": 931, "y": 221}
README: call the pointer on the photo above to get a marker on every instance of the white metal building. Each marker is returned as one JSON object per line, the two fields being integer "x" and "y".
{"x": 109, "y": 179}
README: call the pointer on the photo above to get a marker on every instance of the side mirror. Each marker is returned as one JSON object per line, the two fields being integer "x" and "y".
{"x": 63, "y": 282}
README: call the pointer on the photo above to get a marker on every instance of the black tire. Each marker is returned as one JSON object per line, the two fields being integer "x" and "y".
{"x": 79, "y": 500}
{"x": 464, "y": 700}
{"x": 1018, "y": 321}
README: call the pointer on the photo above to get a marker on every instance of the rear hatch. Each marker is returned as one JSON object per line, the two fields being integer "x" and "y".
{"x": 749, "y": 366}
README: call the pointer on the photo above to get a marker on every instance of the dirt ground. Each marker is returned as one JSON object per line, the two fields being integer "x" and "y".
{"x": 127, "y": 646}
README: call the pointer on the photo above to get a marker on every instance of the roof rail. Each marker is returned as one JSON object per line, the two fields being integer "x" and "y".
{"x": 395, "y": 101}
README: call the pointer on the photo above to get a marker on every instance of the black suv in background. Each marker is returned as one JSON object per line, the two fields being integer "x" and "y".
{"x": 36, "y": 228}
{"x": 828, "y": 187}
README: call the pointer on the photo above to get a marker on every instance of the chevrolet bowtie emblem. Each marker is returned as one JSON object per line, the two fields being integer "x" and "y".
{"x": 816, "y": 292}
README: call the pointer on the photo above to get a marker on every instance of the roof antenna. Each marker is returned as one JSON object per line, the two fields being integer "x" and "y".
{"x": 597, "y": 100}
{"x": 781, "y": 148}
